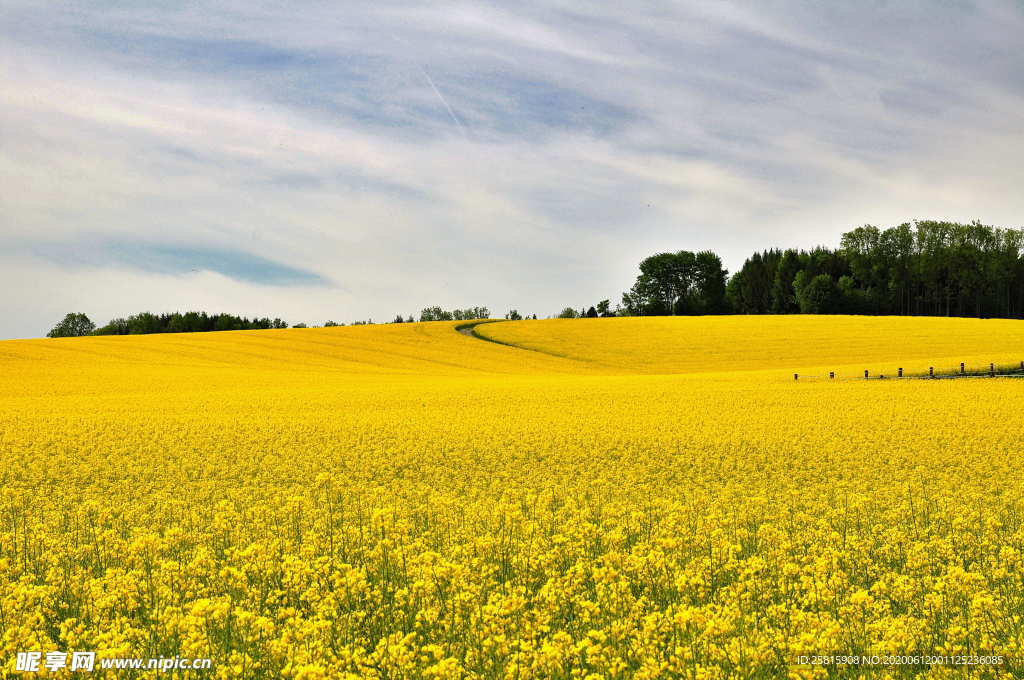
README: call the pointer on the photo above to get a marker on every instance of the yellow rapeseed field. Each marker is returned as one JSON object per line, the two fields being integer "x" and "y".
{"x": 629, "y": 498}
{"x": 787, "y": 343}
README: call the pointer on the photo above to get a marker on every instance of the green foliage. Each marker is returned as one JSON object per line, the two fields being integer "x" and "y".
{"x": 783, "y": 295}
{"x": 73, "y": 325}
{"x": 766, "y": 282}
{"x": 118, "y": 326}
{"x": 678, "y": 283}
{"x": 928, "y": 268}
{"x": 435, "y": 314}
{"x": 708, "y": 289}
{"x": 925, "y": 268}
{"x": 513, "y": 315}
{"x": 938, "y": 268}
{"x": 147, "y": 323}
{"x": 568, "y": 313}
{"x": 817, "y": 295}
{"x": 468, "y": 314}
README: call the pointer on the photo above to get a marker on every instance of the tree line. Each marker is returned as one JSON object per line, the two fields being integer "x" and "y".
{"x": 145, "y": 323}
{"x": 926, "y": 267}
{"x": 438, "y": 314}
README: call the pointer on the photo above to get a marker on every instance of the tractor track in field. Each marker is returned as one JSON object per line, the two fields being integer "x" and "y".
{"x": 469, "y": 329}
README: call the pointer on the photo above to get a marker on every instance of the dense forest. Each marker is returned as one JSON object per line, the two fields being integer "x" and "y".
{"x": 925, "y": 268}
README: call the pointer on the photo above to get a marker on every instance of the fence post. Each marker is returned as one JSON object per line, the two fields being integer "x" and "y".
{"x": 931, "y": 371}
{"x": 962, "y": 367}
{"x": 899, "y": 372}
{"x": 832, "y": 374}
{"x": 992, "y": 370}
{"x": 865, "y": 374}
{"x": 795, "y": 376}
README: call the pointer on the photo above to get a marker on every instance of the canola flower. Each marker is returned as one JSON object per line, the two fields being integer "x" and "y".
{"x": 408, "y": 502}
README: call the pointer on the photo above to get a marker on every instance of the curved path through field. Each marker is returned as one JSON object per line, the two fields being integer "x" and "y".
{"x": 469, "y": 329}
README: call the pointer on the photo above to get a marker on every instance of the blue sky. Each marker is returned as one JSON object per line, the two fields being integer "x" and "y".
{"x": 331, "y": 160}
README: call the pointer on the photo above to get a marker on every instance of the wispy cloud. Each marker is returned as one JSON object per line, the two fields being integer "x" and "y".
{"x": 477, "y": 153}
{"x": 171, "y": 259}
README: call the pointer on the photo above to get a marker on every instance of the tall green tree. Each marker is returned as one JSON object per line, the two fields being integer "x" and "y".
{"x": 73, "y": 325}
{"x": 664, "y": 280}
{"x": 783, "y": 295}
{"x": 707, "y": 295}
{"x": 752, "y": 291}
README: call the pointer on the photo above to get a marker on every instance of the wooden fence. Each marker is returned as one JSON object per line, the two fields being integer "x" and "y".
{"x": 990, "y": 371}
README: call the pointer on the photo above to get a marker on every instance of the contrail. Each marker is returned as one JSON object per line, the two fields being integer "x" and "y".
{"x": 451, "y": 113}
{"x": 430, "y": 81}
